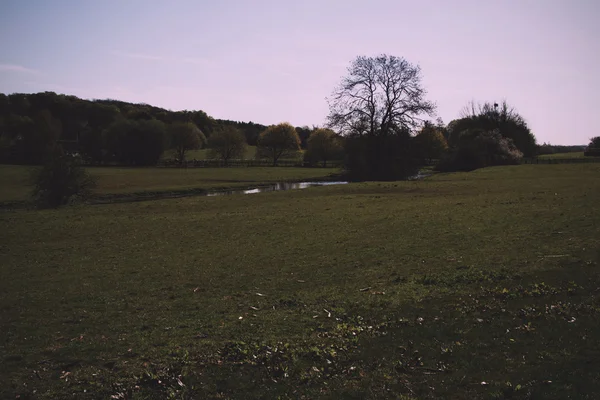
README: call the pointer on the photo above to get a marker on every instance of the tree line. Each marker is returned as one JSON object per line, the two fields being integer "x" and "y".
{"x": 380, "y": 123}
{"x": 116, "y": 132}
{"x": 382, "y": 103}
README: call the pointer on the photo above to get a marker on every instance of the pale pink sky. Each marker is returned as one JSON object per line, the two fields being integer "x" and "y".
{"x": 272, "y": 61}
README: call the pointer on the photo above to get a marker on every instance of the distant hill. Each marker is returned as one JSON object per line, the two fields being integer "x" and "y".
{"x": 29, "y": 123}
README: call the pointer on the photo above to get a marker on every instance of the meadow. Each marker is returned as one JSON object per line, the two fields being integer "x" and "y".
{"x": 204, "y": 154}
{"x": 578, "y": 154}
{"x": 461, "y": 286}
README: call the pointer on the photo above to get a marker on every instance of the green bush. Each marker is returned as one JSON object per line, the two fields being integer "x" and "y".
{"x": 593, "y": 149}
{"x": 479, "y": 149}
{"x": 62, "y": 180}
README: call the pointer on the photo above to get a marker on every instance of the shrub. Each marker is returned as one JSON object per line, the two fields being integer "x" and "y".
{"x": 493, "y": 116}
{"x": 227, "y": 143}
{"x": 278, "y": 141}
{"x": 593, "y": 149}
{"x": 62, "y": 180}
{"x": 185, "y": 136}
{"x": 430, "y": 143}
{"x": 385, "y": 158}
{"x": 323, "y": 145}
{"x": 479, "y": 149}
{"x": 133, "y": 142}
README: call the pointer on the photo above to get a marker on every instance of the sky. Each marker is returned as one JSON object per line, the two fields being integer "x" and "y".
{"x": 274, "y": 61}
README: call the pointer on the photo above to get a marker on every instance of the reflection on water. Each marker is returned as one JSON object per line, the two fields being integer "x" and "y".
{"x": 276, "y": 187}
{"x": 419, "y": 176}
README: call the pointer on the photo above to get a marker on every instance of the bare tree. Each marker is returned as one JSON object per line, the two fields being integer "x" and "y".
{"x": 499, "y": 112}
{"x": 380, "y": 95}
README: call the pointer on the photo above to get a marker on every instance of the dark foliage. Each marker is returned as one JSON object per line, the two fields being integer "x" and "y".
{"x": 304, "y": 133}
{"x": 278, "y": 141}
{"x": 489, "y": 117}
{"x": 547, "y": 148}
{"x": 31, "y": 124}
{"x": 593, "y": 149}
{"x": 227, "y": 143}
{"x": 140, "y": 142}
{"x": 324, "y": 145}
{"x": 376, "y": 105}
{"x": 250, "y": 130}
{"x": 430, "y": 143}
{"x": 62, "y": 180}
{"x": 185, "y": 136}
{"x": 383, "y": 158}
{"x": 478, "y": 149}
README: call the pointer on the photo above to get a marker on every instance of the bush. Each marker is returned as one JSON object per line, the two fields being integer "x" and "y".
{"x": 491, "y": 117}
{"x": 227, "y": 143}
{"x": 62, "y": 180}
{"x": 385, "y": 158}
{"x": 592, "y": 152}
{"x": 430, "y": 143}
{"x": 479, "y": 149}
{"x": 185, "y": 136}
{"x": 323, "y": 145}
{"x": 593, "y": 149}
{"x": 278, "y": 141}
{"x": 136, "y": 142}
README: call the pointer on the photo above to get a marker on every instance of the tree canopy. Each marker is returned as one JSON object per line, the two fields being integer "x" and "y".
{"x": 376, "y": 105}
{"x": 60, "y": 180}
{"x": 593, "y": 148}
{"x": 185, "y": 136}
{"x": 493, "y": 116}
{"x": 30, "y": 124}
{"x": 227, "y": 143}
{"x": 379, "y": 94}
{"x": 430, "y": 142}
{"x": 478, "y": 148}
{"x": 132, "y": 142}
{"x": 324, "y": 145}
{"x": 277, "y": 141}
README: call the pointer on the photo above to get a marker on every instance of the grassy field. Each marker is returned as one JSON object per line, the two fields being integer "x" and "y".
{"x": 563, "y": 155}
{"x": 15, "y": 180}
{"x": 464, "y": 286}
{"x": 203, "y": 154}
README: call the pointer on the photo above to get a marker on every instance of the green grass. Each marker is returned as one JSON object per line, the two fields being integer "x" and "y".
{"x": 113, "y": 180}
{"x": 15, "y": 182}
{"x": 203, "y": 154}
{"x": 408, "y": 290}
{"x": 563, "y": 155}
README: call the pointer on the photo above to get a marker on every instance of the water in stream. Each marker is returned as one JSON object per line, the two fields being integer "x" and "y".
{"x": 276, "y": 187}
